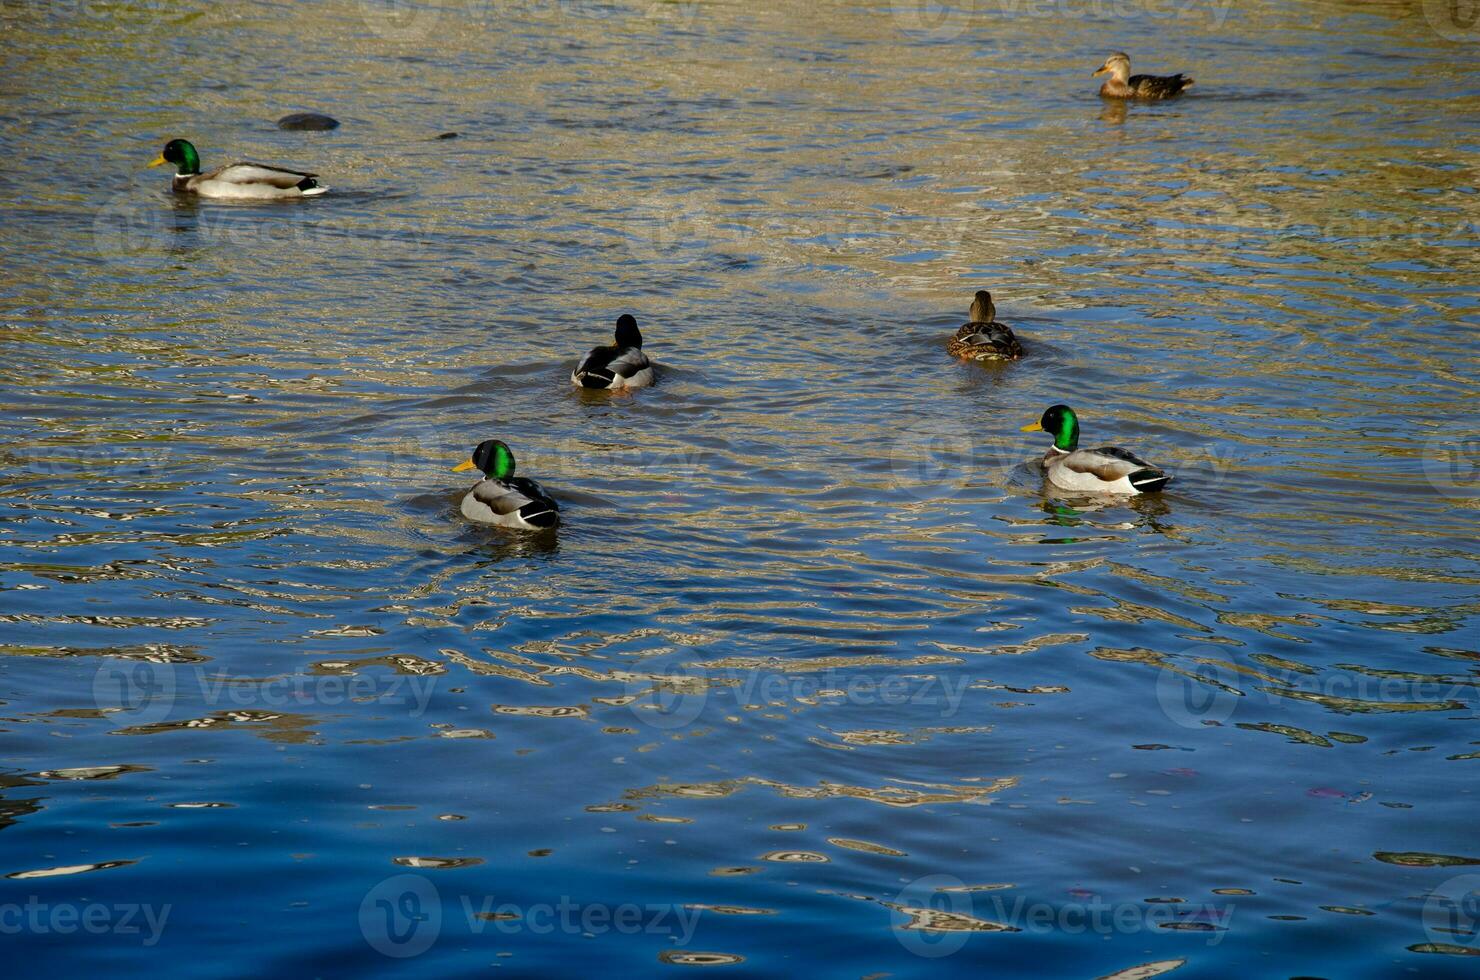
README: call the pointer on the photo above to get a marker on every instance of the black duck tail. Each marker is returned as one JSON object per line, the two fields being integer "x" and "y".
{"x": 540, "y": 515}
{"x": 1149, "y": 480}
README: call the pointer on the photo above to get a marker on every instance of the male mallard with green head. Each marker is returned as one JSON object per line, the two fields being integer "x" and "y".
{"x": 501, "y": 497}
{"x": 983, "y": 338}
{"x": 238, "y": 181}
{"x": 1108, "y": 469}
{"x": 1123, "y": 85}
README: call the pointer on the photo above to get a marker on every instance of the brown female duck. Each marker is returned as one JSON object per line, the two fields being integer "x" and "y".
{"x": 1123, "y": 85}
{"x": 983, "y": 338}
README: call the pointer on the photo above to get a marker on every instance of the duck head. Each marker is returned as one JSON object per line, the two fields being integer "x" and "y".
{"x": 982, "y": 309}
{"x": 182, "y": 154}
{"x": 627, "y": 332}
{"x": 1063, "y": 423}
{"x": 1118, "y": 65}
{"x": 492, "y": 458}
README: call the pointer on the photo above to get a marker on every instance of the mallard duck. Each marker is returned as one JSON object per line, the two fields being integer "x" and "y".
{"x": 620, "y": 365}
{"x": 1104, "y": 470}
{"x": 1123, "y": 85}
{"x": 242, "y": 181}
{"x": 983, "y": 338}
{"x": 501, "y": 497}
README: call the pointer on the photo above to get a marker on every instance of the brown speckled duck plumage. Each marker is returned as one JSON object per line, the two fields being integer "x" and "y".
{"x": 983, "y": 338}
{"x": 1123, "y": 85}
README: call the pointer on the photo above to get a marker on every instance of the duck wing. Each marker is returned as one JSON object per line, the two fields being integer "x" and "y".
{"x": 977, "y": 338}
{"x": 1111, "y": 464}
{"x": 258, "y": 173}
{"x": 605, "y": 365}
{"x": 540, "y": 509}
{"x": 1158, "y": 86}
{"x": 518, "y": 498}
{"x": 503, "y": 499}
{"x": 1123, "y": 455}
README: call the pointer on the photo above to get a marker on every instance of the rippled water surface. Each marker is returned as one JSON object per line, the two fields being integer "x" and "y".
{"x": 816, "y": 675}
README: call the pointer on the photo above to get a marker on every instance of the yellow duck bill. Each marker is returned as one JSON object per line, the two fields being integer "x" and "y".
{"x": 464, "y": 466}
{"x": 158, "y": 161}
{"x": 1032, "y": 427}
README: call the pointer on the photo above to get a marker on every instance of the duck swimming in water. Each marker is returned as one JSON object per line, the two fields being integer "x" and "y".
{"x": 239, "y": 181}
{"x": 501, "y": 497}
{"x": 1108, "y": 469}
{"x": 983, "y": 338}
{"x": 618, "y": 365}
{"x": 1123, "y": 85}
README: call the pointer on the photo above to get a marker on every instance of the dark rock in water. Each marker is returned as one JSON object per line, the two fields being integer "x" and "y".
{"x": 447, "y": 136}
{"x": 308, "y": 120}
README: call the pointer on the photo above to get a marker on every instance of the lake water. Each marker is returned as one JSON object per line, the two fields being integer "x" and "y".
{"x": 816, "y": 675}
